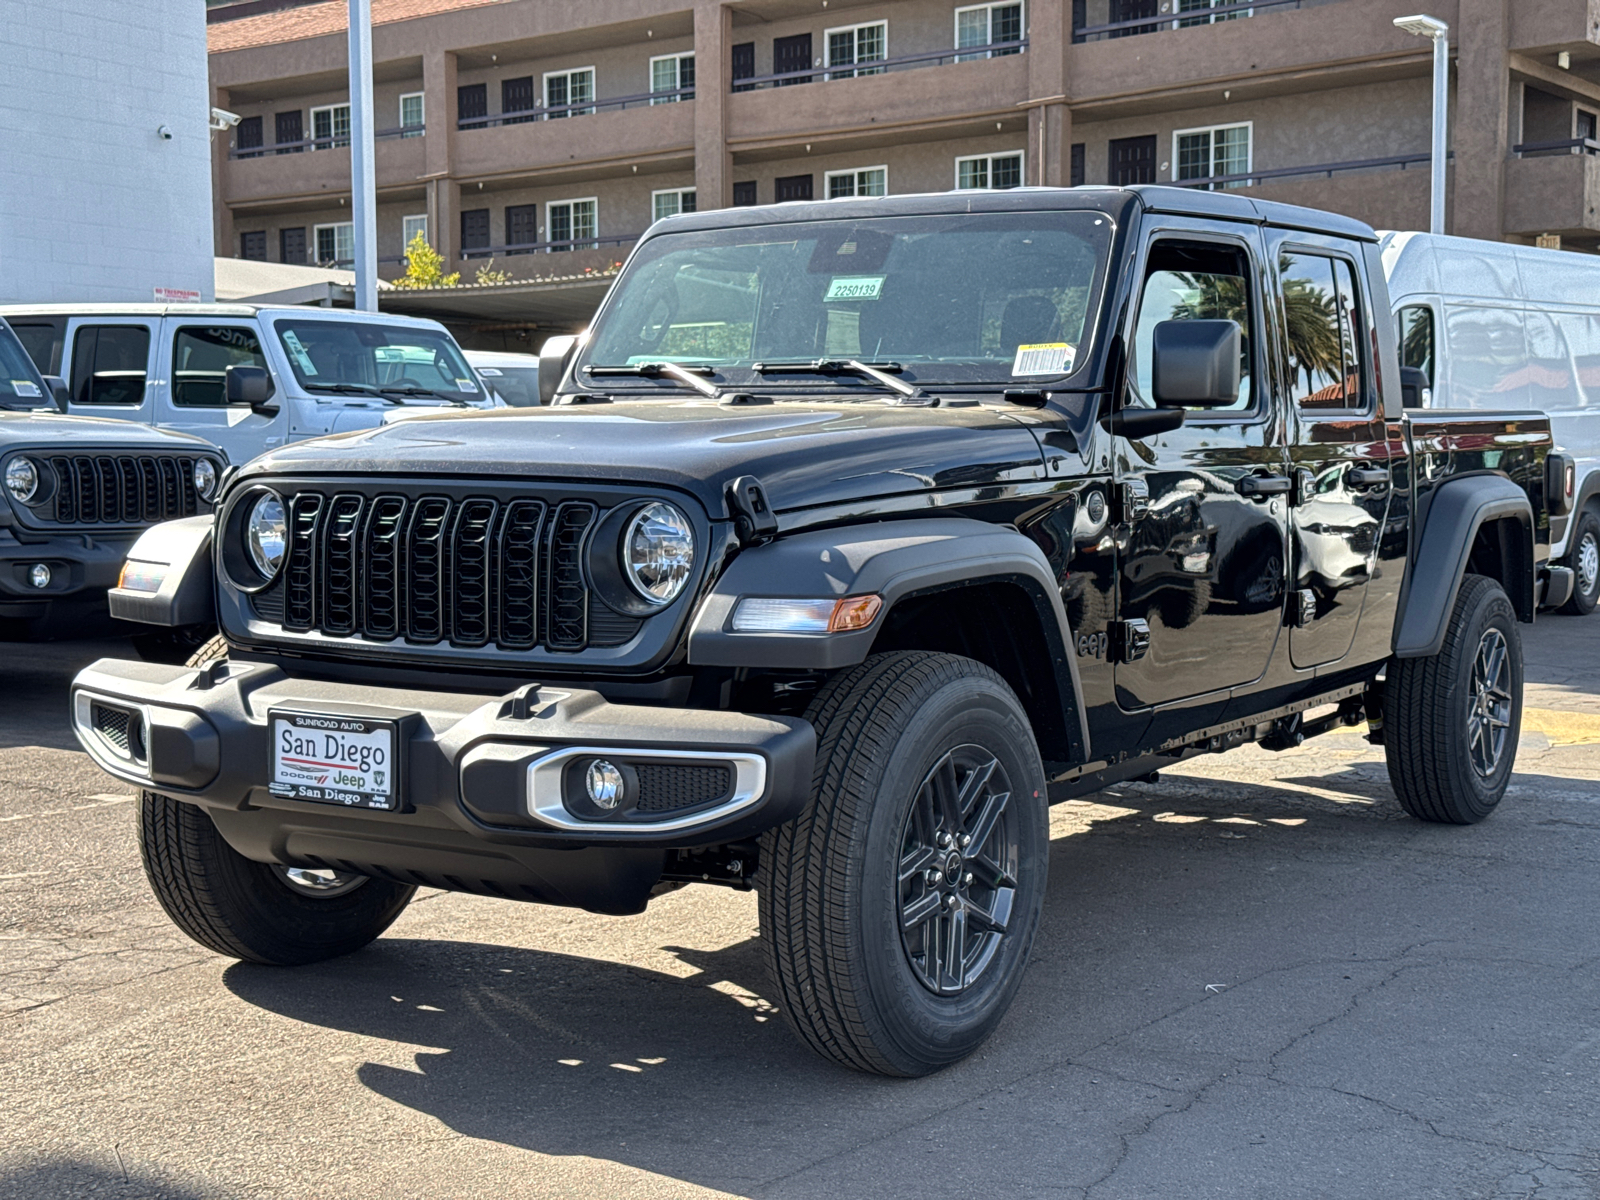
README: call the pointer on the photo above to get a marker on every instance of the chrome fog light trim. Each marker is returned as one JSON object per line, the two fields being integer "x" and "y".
{"x": 545, "y": 791}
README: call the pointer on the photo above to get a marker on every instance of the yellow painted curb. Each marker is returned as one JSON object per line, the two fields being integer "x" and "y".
{"x": 1561, "y": 727}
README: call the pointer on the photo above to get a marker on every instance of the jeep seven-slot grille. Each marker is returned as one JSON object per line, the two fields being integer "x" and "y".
{"x": 467, "y": 572}
{"x": 113, "y": 489}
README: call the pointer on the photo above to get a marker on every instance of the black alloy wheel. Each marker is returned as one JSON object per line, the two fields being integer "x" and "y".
{"x": 1489, "y": 718}
{"x": 958, "y": 871}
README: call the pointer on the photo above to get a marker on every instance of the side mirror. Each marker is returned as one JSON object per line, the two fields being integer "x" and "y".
{"x": 249, "y": 385}
{"x": 58, "y": 391}
{"x": 1195, "y": 364}
{"x": 1414, "y": 389}
{"x": 554, "y": 357}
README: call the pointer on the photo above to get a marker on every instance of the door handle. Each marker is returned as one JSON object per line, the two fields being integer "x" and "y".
{"x": 1259, "y": 487}
{"x": 1367, "y": 476}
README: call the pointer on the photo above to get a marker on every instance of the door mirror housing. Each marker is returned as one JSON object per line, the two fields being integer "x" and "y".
{"x": 249, "y": 385}
{"x": 554, "y": 357}
{"x": 1195, "y": 364}
{"x": 1415, "y": 390}
{"x": 58, "y": 391}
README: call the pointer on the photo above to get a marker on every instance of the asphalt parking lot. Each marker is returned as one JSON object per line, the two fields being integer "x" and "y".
{"x": 1255, "y": 978}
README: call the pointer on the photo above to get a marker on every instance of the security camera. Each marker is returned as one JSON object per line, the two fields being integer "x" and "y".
{"x": 164, "y": 132}
{"x": 221, "y": 118}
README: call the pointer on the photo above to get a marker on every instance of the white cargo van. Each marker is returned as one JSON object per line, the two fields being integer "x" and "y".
{"x": 244, "y": 377}
{"x": 1496, "y": 326}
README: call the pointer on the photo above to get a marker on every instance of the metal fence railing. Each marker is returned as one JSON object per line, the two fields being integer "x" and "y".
{"x": 1246, "y": 178}
{"x": 324, "y": 143}
{"x": 582, "y": 108}
{"x": 1157, "y": 22}
{"x": 880, "y": 66}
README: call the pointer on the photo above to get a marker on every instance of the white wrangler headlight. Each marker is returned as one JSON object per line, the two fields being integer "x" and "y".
{"x": 265, "y": 534}
{"x": 205, "y": 477}
{"x": 22, "y": 479}
{"x": 658, "y": 552}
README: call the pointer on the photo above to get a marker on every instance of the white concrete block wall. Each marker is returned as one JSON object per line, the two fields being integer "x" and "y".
{"x": 94, "y": 204}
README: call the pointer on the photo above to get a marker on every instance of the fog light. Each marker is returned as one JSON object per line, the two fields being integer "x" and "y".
{"x": 603, "y": 781}
{"x": 39, "y": 575}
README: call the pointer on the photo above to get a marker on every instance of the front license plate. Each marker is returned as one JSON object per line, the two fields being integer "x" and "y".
{"x": 332, "y": 759}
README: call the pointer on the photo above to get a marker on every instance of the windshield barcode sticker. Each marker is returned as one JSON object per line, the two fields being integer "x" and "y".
{"x": 1045, "y": 358}
{"x": 301, "y": 358}
{"x": 854, "y": 287}
{"x": 466, "y": 385}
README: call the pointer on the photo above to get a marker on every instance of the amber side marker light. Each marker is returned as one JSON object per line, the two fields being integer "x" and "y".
{"x": 765, "y": 614}
{"x": 139, "y": 576}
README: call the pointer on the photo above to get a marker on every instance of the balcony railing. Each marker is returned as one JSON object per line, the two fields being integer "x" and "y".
{"x": 880, "y": 66}
{"x": 511, "y": 249}
{"x": 1581, "y": 145}
{"x": 583, "y": 108}
{"x": 326, "y": 143}
{"x": 1156, "y": 22}
{"x": 1246, "y": 178}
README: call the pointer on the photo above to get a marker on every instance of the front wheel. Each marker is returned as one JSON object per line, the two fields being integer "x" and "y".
{"x": 1584, "y": 559}
{"x": 1452, "y": 720}
{"x": 898, "y": 910}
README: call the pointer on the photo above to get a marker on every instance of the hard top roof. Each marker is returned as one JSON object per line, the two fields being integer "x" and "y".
{"x": 1231, "y": 205}
{"x": 209, "y": 310}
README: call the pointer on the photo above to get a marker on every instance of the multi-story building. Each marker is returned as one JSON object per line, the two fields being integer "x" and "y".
{"x": 522, "y": 129}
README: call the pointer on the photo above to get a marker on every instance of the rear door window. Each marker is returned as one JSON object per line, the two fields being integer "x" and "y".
{"x": 201, "y": 356}
{"x": 1416, "y": 338}
{"x": 1322, "y": 316}
{"x": 109, "y": 364}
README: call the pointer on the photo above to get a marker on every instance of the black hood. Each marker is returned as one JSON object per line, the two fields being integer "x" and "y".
{"x": 45, "y": 430}
{"x": 804, "y": 454}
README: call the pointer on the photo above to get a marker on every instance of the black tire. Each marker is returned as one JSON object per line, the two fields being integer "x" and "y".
{"x": 1584, "y": 559}
{"x": 250, "y": 910}
{"x": 832, "y": 894}
{"x": 1434, "y": 738}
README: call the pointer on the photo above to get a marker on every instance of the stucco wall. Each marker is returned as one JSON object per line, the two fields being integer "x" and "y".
{"x": 94, "y": 204}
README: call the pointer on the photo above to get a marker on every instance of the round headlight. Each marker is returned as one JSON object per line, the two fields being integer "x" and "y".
{"x": 205, "y": 477}
{"x": 265, "y": 533}
{"x": 22, "y": 479}
{"x": 658, "y": 552}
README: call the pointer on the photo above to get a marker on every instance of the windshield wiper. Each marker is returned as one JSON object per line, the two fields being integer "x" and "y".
{"x": 422, "y": 391}
{"x": 654, "y": 370}
{"x": 877, "y": 372}
{"x": 349, "y": 389}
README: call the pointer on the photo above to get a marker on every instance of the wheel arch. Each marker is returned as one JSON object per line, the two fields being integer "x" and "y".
{"x": 935, "y": 576}
{"x": 1478, "y": 524}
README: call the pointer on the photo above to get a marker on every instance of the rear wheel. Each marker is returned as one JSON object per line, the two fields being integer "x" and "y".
{"x": 1584, "y": 559}
{"x": 898, "y": 910}
{"x": 1452, "y": 720}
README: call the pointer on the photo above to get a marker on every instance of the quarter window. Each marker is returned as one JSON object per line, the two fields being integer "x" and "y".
{"x": 109, "y": 363}
{"x": 987, "y": 24}
{"x": 989, "y": 171}
{"x": 330, "y": 126}
{"x": 201, "y": 356}
{"x": 1209, "y": 153}
{"x": 1417, "y": 339}
{"x": 671, "y": 73}
{"x": 856, "y": 44}
{"x": 1321, "y": 314}
{"x": 867, "y": 181}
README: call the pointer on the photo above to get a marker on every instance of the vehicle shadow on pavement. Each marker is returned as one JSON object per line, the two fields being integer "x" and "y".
{"x": 34, "y": 684}
{"x": 61, "y": 1178}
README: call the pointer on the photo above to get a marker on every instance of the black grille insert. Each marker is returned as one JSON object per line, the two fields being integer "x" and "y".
{"x": 107, "y": 489}
{"x": 668, "y": 787}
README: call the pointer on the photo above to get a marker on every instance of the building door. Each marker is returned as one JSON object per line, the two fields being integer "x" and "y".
{"x": 475, "y": 229}
{"x": 1133, "y": 160}
{"x": 516, "y": 95}
{"x": 522, "y": 226}
{"x": 744, "y": 194}
{"x": 289, "y": 127}
{"x": 1201, "y": 570}
{"x": 292, "y": 246}
{"x": 792, "y": 55}
{"x": 743, "y": 61}
{"x": 472, "y": 101}
{"x": 253, "y": 245}
{"x": 793, "y": 187}
{"x": 1133, "y": 10}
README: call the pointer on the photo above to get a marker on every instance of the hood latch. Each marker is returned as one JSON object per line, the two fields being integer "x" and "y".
{"x": 753, "y": 518}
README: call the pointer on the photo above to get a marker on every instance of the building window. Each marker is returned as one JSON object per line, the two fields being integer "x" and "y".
{"x": 1208, "y": 153}
{"x": 288, "y": 131}
{"x": 672, "y": 73}
{"x": 572, "y": 222}
{"x": 864, "y": 181}
{"x": 986, "y": 25}
{"x": 856, "y": 44}
{"x": 474, "y": 230}
{"x": 989, "y": 171}
{"x": 336, "y": 244}
{"x": 411, "y": 227}
{"x": 292, "y": 245}
{"x": 472, "y": 103}
{"x": 516, "y": 96}
{"x": 330, "y": 126}
{"x": 1201, "y": 17}
{"x": 247, "y": 138}
{"x": 253, "y": 246}
{"x": 563, "y": 88}
{"x": 411, "y": 115}
{"x": 744, "y": 194}
{"x": 672, "y": 201}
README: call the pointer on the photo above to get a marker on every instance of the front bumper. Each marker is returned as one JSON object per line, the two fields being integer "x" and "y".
{"x": 483, "y": 795}
{"x": 79, "y": 564}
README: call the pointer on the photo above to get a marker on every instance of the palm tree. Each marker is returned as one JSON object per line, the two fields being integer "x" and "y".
{"x": 1311, "y": 316}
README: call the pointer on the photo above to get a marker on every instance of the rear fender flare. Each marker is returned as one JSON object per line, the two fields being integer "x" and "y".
{"x": 896, "y": 560}
{"x": 1458, "y": 510}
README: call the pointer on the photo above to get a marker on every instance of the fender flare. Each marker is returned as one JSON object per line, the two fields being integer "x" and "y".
{"x": 893, "y": 559}
{"x": 187, "y": 594}
{"x": 1459, "y": 508}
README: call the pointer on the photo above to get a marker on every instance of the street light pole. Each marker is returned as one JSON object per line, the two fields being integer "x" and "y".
{"x": 363, "y": 183}
{"x": 1439, "y": 33}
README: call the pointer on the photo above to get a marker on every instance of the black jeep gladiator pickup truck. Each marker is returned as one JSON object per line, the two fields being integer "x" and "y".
{"x": 852, "y": 535}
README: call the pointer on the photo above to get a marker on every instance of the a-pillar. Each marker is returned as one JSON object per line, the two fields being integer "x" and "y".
{"x": 713, "y": 165}
{"x": 1481, "y": 126}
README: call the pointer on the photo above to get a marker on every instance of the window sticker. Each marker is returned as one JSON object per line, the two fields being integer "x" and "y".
{"x": 466, "y": 385}
{"x": 854, "y": 287}
{"x": 490, "y": 372}
{"x": 26, "y": 387}
{"x": 1043, "y": 358}
{"x": 389, "y": 354}
{"x": 301, "y": 358}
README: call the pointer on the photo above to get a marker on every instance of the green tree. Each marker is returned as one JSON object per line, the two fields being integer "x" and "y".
{"x": 487, "y": 274}
{"x": 425, "y": 267}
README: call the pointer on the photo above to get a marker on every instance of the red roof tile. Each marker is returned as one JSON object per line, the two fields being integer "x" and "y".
{"x": 315, "y": 20}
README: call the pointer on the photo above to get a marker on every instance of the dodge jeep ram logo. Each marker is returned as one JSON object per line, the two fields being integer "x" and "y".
{"x": 1092, "y": 645}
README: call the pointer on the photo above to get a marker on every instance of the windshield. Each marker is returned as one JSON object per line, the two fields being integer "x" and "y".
{"x": 988, "y": 298}
{"x": 391, "y": 360}
{"x": 20, "y": 384}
